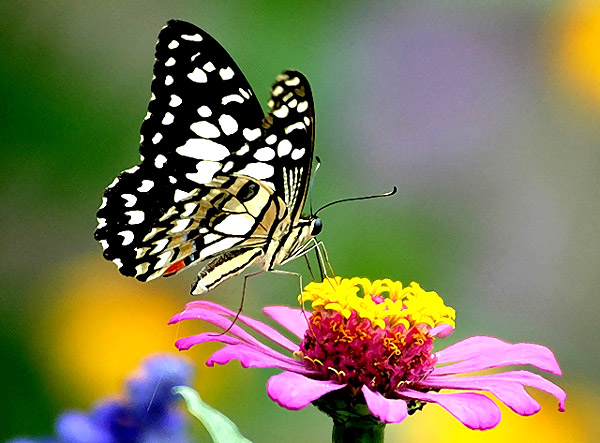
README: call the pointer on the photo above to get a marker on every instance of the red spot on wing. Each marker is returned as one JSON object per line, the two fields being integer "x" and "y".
{"x": 177, "y": 266}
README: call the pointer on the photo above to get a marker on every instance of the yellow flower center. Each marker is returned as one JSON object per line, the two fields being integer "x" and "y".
{"x": 384, "y": 302}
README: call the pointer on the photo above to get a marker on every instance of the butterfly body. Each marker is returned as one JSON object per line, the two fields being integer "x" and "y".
{"x": 219, "y": 180}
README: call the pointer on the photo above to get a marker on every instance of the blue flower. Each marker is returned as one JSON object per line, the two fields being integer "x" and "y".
{"x": 146, "y": 413}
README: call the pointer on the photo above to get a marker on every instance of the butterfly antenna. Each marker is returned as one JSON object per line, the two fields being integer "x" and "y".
{"x": 312, "y": 181}
{"x": 366, "y": 197}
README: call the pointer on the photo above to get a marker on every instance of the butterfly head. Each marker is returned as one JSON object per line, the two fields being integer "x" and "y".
{"x": 316, "y": 226}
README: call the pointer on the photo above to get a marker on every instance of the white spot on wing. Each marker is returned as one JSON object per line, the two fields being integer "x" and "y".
{"x": 284, "y": 148}
{"x": 232, "y": 98}
{"x": 228, "y": 124}
{"x": 168, "y": 80}
{"x": 245, "y": 94}
{"x": 297, "y": 153}
{"x": 271, "y": 139}
{"x": 104, "y": 244}
{"x": 204, "y": 111}
{"x": 180, "y": 225}
{"x": 203, "y": 149}
{"x": 103, "y": 204}
{"x": 175, "y": 101}
{"x": 160, "y": 161}
{"x": 236, "y": 224}
{"x": 264, "y": 154}
{"x": 297, "y": 125}
{"x": 251, "y": 134}
{"x": 293, "y": 81}
{"x": 118, "y": 262}
{"x": 209, "y": 67}
{"x": 180, "y": 195}
{"x": 157, "y": 137}
{"x": 277, "y": 90}
{"x": 170, "y": 62}
{"x": 130, "y": 200}
{"x": 281, "y": 112}
{"x": 160, "y": 245}
{"x": 190, "y": 208}
{"x": 302, "y": 106}
{"x": 226, "y": 73}
{"x": 146, "y": 185}
{"x": 198, "y": 76}
{"x": 192, "y": 38}
{"x": 244, "y": 149}
{"x": 163, "y": 259}
{"x": 101, "y": 222}
{"x": 135, "y": 217}
{"x": 211, "y": 238}
{"x": 205, "y": 129}
{"x": 173, "y": 44}
{"x": 205, "y": 171}
{"x": 228, "y": 166}
{"x": 258, "y": 171}
{"x": 127, "y": 237}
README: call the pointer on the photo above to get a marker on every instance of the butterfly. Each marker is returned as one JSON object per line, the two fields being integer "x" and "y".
{"x": 219, "y": 180}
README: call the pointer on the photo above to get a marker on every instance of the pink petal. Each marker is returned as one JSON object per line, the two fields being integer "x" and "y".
{"x": 385, "y": 409}
{"x": 219, "y": 316}
{"x": 475, "y": 411}
{"x": 513, "y": 395}
{"x": 500, "y": 385}
{"x": 480, "y": 352}
{"x": 207, "y": 337}
{"x": 252, "y": 358}
{"x": 294, "y": 320}
{"x": 441, "y": 331}
{"x": 185, "y": 343}
{"x": 294, "y": 391}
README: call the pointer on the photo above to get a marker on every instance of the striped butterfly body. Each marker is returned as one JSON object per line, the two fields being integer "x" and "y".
{"x": 218, "y": 179}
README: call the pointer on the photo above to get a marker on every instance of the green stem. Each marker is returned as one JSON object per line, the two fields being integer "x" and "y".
{"x": 352, "y": 420}
{"x": 351, "y": 432}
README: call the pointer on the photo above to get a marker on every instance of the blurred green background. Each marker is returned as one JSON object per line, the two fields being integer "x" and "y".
{"x": 486, "y": 115}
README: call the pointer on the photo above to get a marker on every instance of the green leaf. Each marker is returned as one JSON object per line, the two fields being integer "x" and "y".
{"x": 220, "y": 428}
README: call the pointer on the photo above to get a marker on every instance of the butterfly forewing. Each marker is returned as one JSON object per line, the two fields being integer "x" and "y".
{"x": 217, "y": 179}
{"x": 288, "y": 142}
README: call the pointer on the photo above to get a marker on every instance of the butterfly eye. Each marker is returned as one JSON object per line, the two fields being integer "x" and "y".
{"x": 317, "y": 226}
{"x": 247, "y": 191}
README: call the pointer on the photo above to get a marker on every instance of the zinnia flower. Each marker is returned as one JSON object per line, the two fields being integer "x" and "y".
{"x": 366, "y": 352}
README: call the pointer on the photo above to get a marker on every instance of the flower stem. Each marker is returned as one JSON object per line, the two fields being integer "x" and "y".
{"x": 350, "y": 432}
{"x": 352, "y": 420}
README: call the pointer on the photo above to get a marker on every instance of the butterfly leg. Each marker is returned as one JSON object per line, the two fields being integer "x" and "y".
{"x": 322, "y": 255}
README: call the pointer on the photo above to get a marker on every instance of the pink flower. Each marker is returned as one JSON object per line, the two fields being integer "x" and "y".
{"x": 361, "y": 347}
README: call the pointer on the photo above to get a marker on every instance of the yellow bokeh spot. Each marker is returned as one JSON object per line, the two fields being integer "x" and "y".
{"x": 100, "y": 327}
{"x": 576, "y": 58}
{"x": 578, "y": 424}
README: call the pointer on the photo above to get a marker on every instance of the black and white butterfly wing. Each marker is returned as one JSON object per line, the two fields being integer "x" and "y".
{"x": 216, "y": 174}
{"x": 289, "y": 130}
